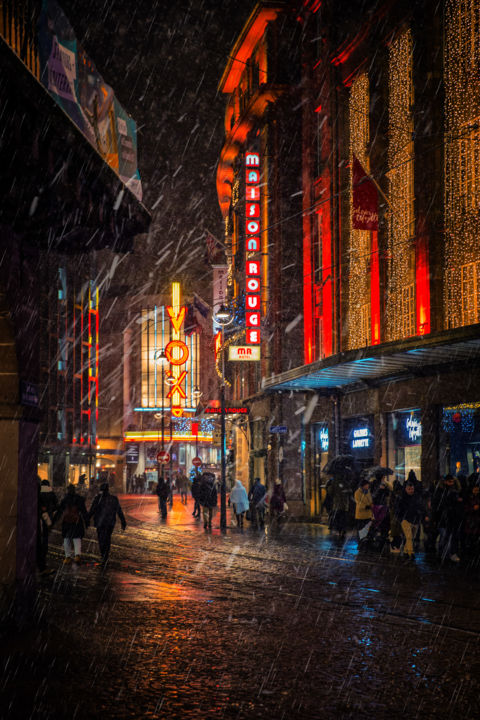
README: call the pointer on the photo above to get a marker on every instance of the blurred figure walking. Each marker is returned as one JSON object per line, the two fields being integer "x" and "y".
{"x": 104, "y": 510}
{"x": 207, "y": 497}
{"x": 74, "y": 516}
{"x": 239, "y": 500}
{"x": 47, "y": 507}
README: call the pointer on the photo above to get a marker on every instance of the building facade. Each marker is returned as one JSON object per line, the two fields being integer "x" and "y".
{"x": 388, "y": 294}
{"x": 259, "y": 190}
{"x": 60, "y": 201}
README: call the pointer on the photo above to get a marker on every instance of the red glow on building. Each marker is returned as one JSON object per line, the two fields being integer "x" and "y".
{"x": 375, "y": 289}
{"x": 423, "y": 287}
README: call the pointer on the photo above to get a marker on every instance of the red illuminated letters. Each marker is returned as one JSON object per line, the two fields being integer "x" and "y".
{"x": 253, "y": 268}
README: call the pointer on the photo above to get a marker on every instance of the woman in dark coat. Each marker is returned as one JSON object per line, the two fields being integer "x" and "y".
{"x": 74, "y": 516}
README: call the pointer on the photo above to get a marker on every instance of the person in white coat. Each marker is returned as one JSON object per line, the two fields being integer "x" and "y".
{"x": 239, "y": 502}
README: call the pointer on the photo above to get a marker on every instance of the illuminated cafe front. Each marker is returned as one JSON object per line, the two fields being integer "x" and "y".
{"x": 164, "y": 417}
{"x": 414, "y": 405}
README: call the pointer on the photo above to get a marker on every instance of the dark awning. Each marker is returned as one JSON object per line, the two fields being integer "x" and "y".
{"x": 387, "y": 362}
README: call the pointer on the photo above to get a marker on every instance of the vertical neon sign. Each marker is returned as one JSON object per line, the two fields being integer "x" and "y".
{"x": 177, "y": 353}
{"x": 252, "y": 246}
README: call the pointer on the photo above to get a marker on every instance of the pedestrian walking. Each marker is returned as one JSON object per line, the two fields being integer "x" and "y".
{"x": 278, "y": 502}
{"x": 183, "y": 484}
{"x": 447, "y": 506}
{"x": 104, "y": 510}
{"x": 47, "y": 507}
{"x": 239, "y": 501}
{"x": 207, "y": 497}
{"x": 195, "y": 496}
{"x": 410, "y": 513}
{"x": 163, "y": 492}
{"x": 340, "y": 493}
{"x": 257, "y": 497}
{"x": 363, "y": 511}
{"x": 74, "y": 517}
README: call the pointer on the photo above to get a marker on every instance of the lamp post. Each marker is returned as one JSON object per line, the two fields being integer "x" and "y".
{"x": 161, "y": 359}
{"x": 196, "y": 394}
{"x": 223, "y": 318}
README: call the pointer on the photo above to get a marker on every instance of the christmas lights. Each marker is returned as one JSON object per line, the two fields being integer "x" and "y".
{"x": 359, "y": 326}
{"x": 462, "y": 162}
{"x": 400, "y": 292}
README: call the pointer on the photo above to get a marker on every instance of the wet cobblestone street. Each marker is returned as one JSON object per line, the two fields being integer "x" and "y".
{"x": 189, "y": 624}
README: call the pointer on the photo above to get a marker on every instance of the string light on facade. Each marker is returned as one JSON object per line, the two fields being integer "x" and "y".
{"x": 400, "y": 312}
{"x": 462, "y": 162}
{"x": 359, "y": 326}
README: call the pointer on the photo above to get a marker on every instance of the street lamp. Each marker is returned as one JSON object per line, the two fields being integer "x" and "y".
{"x": 223, "y": 317}
{"x": 161, "y": 359}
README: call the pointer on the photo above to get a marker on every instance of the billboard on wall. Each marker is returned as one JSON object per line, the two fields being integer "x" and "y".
{"x": 72, "y": 79}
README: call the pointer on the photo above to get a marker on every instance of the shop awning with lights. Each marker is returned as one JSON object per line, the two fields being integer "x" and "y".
{"x": 395, "y": 361}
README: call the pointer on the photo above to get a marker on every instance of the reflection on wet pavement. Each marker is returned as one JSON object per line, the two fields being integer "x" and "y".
{"x": 187, "y": 624}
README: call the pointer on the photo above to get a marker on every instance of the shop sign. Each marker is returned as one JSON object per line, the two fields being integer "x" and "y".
{"x": 280, "y": 429}
{"x": 361, "y": 438}
{"x": 253, "y": 267}
{"x": 324, "y": 439}
{"x": 228, "y": 411}
{"x": 413, "y": 427}
{"x": 131, "y": 453}
{"x": 242, "y": 353}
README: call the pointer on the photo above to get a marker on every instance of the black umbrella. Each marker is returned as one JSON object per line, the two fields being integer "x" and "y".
{"x": 339, "y": 463}
{"x": 379, "y": 470}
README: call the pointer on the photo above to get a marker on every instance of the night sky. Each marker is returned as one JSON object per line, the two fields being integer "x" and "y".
{"x": 164, "y": 61}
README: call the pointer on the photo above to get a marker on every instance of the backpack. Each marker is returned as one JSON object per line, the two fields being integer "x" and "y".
{"x": 71, "y": 514}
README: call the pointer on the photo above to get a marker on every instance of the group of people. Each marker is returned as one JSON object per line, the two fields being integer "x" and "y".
{"x": 74, "y": 517}
{"x": 400, "y": 515}
{"x": 204, "y": 488}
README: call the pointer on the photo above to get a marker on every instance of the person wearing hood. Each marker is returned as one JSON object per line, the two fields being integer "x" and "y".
{"x": 239, "y": 501}
{"x": 74, "y": 516}
{"x": 47, "y": 506}
{"x": 104, "y": 510}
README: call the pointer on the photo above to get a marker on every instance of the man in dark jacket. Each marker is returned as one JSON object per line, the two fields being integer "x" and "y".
{"x": 257, "y": 503}
{"x": 447, "y": 506}
{"x": 163, "y": 492}
{"x": 47, "y": 507}
{"x": 104, "y": 510}
{"x": 195, "y": 493}
{"x": 410, "y": 511}
{"x": 207, "y": 497}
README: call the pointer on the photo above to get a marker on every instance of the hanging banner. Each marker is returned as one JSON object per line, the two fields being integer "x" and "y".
{"x": 365, "y": 199}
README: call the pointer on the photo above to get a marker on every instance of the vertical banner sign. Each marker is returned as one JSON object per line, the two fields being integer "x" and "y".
{"x": 252, "y": 248}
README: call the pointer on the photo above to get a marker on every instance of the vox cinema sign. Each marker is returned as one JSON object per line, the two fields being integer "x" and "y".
{"x": 252, "y": 249}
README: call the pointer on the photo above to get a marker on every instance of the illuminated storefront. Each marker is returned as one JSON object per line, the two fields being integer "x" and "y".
{"x": 405, "y": 443}
{"x": 165, "y": 416}
{"x": 460, "y": 438}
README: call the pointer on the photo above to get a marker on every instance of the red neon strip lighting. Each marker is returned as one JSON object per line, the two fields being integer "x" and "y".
{"x": 422, "y": 271}
{"x": 375, "y": 289}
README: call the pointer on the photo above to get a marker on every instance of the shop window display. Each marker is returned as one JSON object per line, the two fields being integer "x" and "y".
{"x": 460, "y": 438}
{"x": 405, "y": 443}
